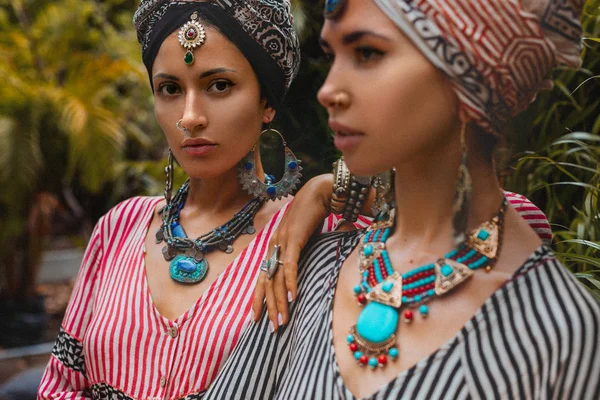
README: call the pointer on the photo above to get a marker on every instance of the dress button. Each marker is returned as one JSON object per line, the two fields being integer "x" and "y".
{"x": 173, "y": 332}
{"x": 163, "y": 381}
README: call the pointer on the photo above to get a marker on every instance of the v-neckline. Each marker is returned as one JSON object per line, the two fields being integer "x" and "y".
{"x": 210, "y": 289}
{"x": 441, "y": 351}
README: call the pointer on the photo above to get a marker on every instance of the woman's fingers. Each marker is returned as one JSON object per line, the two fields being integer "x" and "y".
{"x": 259, "y": 296}
{"x": 280, "y": 291}
{"x": 304, "y": 215}
{"x": 290, "y": 270}
{"x": 271, "y": 305}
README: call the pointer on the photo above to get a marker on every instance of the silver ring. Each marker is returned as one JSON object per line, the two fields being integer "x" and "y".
{"x": 178, "y": 125}
{"x": 271, "y": 265}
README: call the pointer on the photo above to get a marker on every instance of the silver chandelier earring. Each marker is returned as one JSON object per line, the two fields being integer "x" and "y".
{"x": 269, "y": 190}
{"x": 169, "y": 177}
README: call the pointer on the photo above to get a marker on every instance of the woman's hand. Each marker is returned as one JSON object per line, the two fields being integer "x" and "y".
{"x": 306, "y": 214}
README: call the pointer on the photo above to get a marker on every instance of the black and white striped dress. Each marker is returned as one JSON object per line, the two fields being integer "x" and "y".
{"x": 537, "y": 337}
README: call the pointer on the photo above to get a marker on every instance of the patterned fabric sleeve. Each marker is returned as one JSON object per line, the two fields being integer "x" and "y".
{"x": 332, "y": 222}
{"x": 532, "y": 214}
{"x": 65, "y": 375}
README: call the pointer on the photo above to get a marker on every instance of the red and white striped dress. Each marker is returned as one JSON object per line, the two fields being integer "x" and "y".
{"x": 114, "y": 344}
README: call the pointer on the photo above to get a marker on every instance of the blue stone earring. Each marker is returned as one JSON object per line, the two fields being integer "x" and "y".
{"x": 268, "y": 190}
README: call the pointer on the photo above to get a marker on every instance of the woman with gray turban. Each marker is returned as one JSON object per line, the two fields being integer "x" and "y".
{"x": 449, "y": 293}
{"x": 165, "y": 287}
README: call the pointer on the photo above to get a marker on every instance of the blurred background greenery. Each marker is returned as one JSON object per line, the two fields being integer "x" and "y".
{"x": 78, "y": 134}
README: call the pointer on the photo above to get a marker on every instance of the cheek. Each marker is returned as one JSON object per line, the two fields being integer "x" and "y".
{"x": 166, "y": 116}
{"x": 242, "y": 117}
{"x": 417, "y": 110}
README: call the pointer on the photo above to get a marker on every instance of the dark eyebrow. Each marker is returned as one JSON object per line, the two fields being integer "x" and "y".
{"x": 215, "y": 71}
{"x": 357, "y": 35}
{"x": 354, "y": 37}
{"x": 202, "y": 75}
{"x": 166, "y": 76}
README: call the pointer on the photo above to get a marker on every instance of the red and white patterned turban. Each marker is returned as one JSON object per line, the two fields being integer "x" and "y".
{"x": 498, "y": 53}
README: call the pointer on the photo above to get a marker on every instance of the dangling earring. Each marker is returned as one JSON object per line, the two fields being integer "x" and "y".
{"x": 269, "y": 190}
{"x": 384, "y": 192}
{"x": 169, "y": 177}
{"x": 462, "y": 197}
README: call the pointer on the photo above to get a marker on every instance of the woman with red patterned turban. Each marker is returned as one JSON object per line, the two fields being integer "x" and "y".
{"x": 449, "y": 293}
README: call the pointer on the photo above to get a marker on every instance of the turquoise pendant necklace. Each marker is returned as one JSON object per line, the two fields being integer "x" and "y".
{"x": 186, "y": 257}
{"x": 384, "y": 292}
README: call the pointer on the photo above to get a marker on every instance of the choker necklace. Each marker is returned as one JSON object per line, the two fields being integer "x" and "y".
{"x": 186, "y": 256}
{"x": 384, "y": 292}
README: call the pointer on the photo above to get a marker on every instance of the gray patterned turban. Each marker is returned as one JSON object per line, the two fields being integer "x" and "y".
{"x": 262, "y": 30}
{"x": 498, "y": 53}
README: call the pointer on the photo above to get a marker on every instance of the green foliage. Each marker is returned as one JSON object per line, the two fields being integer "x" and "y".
{"x": 76, "y": 121}
{"x": 73, "y": 99}
{"x": 557, "y": 164}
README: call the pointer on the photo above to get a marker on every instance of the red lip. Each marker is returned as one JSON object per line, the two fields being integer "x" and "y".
{"x": 343, "y": 130}
{"x": 197, "y": 142}
{"x": 346, "y": 138}
{"x": 198, "y": 146}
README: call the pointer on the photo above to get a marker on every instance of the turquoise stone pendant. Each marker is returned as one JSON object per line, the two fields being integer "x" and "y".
{"x": 373, "y": 339}
{"x": 187, "y": 270}
{"x": 377, "y": 323}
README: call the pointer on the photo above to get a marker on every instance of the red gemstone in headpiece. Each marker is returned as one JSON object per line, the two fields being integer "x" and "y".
{"x": 191, "y": 34}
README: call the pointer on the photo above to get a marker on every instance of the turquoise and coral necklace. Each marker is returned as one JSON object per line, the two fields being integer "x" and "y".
{"x": 385, "y": 292}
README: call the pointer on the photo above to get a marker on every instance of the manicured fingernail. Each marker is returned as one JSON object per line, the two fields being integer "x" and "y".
{"x": 271, "y": 328}
{"x": 289, "y": 297}
{"x": 280, "y": 319}
{"x": 252, "y": 315}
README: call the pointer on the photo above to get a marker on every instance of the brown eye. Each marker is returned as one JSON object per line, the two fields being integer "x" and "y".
{"x": 367, "y": 54}
{"x": 168, "y": 89}
{"x": 220, "y": 86}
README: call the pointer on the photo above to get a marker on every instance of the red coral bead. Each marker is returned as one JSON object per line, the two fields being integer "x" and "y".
{"x": 408, "y": 315}
{"x": 363, "y": 360}
{"x": 382, "y": 360}
{"x": 361, "y": 298}
{"x": 353, "y": 347}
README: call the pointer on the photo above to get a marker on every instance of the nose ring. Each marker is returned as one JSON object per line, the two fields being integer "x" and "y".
{"x": 181, "y": 128}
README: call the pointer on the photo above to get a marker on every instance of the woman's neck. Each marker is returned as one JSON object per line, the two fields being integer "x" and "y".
{"x": 216, "y": 195}
{"x": 425, "y": 191}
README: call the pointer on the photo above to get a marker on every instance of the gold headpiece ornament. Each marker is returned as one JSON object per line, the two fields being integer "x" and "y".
{"x": 191, "y": 35}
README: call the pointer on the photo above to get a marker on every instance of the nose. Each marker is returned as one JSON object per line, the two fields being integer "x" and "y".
{"x": 194, "y": 114}
{"x": 331, "y": 95}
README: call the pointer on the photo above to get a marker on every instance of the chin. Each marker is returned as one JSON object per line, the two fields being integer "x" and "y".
{"x": 364, "y": 166}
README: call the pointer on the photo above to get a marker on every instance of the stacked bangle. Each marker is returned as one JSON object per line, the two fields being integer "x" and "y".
{"x": 341, "y": 184}
{"x": 349, "y": 192}
{"x": 359, "y": 190}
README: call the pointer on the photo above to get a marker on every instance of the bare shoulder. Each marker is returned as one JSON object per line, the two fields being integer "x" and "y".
{"x": 269, "y": 208}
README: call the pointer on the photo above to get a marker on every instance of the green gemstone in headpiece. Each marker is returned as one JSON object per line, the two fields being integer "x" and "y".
{"x": 189, "y": 58}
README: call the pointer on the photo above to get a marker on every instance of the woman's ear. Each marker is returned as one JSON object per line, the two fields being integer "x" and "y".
{"x": 268, "y": 113}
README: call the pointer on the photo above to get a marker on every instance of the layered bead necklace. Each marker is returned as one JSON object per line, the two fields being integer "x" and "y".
{"x": 385, "y": 292}
{"x": 187, "y": 263}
